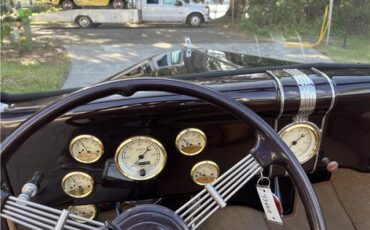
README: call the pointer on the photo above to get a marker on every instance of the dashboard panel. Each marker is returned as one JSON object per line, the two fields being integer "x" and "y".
{"x": 200, "y": 141}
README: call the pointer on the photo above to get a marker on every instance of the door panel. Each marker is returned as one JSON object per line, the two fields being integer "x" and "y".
{"x": 151, "y": 10}
{"x": 172, "y": 12}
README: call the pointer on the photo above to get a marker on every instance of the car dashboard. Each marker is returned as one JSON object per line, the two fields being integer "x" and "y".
{"x": 156, "y": 145}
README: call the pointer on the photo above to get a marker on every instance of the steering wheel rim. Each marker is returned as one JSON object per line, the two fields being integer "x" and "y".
{"x": 270, "y": 149}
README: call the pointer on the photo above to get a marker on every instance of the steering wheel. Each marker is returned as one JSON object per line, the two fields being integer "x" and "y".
{"x": 270, "y": 148}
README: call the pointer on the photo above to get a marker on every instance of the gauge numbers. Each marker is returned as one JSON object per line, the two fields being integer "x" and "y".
{"x": 140, "y": 158}
{"x": 191, "y": 141}
{"x": 77, "y": 184}
{"x": 302, "y": 139}
{"x": 205, "y": 172}
{"x": 86, "y": 149}
{"x": 87, "y": 211}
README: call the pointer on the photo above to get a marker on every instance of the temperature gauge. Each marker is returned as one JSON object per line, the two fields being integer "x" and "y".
{"x": 205, "y": 172}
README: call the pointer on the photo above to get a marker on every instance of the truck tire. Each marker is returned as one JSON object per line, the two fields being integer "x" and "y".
{"x": 84, "y": 22}
{"x": 195, "y": 19}
{"x": 118, "y": 4}
{"x": 68, "y": 5}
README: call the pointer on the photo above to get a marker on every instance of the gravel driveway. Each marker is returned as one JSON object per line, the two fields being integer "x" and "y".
{"x": 98, "y": 53}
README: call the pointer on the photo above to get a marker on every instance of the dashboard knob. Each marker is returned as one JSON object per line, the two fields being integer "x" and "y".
{"x": 331, "y": 166}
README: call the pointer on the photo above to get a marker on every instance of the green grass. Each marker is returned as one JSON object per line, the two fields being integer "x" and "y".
{"x": 357, "y": 50}
{"x": 18, "y": 77}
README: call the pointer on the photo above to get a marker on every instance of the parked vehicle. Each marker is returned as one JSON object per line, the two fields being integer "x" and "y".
{"x": 72, "y": 4}
{"x": 144, "y": 11}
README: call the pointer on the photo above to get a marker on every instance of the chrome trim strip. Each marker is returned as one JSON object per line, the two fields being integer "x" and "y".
{"x": 307, "y": 94}
{"x": 324, "y": 119}
{"x": 333, "y": 92}
{"x": 281, "y": 94}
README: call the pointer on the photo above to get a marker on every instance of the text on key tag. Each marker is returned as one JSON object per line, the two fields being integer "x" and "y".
{"x": 268, "y": 203}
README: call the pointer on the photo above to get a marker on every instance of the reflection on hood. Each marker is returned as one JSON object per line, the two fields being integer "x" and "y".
{"x": 189, "y": 61}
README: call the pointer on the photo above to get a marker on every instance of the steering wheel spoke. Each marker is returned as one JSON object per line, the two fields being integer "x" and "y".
{"x": 215, "y": 195}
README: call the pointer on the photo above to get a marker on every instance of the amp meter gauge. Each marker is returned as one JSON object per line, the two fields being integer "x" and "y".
{"x": 77, "y": 184}
{"x": 191, "y": 141}
{"x": 205, "y": 172}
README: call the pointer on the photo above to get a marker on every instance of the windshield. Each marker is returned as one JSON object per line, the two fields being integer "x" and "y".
{"x": 62, "y": 44}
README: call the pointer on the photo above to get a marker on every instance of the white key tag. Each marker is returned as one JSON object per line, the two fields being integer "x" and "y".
{"x": 267, "y": 201}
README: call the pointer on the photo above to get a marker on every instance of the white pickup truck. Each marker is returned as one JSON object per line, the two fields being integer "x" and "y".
{"x": 145, "y": 11}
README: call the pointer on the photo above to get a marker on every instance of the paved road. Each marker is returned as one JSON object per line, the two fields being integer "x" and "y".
{"x": 99, "y": 53}
{"x": 110, "y": 34}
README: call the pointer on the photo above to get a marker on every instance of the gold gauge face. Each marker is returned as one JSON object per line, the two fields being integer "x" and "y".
{"x": 302, "y": 139}
{"x": 87, "y": 211}
{"x": 191, "y": 141}
{"x": 140, "y": 158}
{"x": 205, "y": 172}
{"x": 86, "y": 149}
{"x": 77, "y": 184}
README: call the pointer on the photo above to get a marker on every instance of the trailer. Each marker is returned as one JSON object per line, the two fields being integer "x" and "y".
{"x": 146, "y": 11}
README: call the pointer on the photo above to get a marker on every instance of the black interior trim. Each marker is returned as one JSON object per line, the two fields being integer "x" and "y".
{"x": 16, "y": 98}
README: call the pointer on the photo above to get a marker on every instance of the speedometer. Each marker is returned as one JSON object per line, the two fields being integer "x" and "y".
{"x": 140, "y": 158}
{"x": 302, "y": 139}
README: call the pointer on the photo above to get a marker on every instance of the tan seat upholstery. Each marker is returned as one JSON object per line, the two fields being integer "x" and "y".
{"x": 238, "y": 218}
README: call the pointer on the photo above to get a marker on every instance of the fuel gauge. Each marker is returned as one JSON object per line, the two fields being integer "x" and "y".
{"x": 205, "y": 172}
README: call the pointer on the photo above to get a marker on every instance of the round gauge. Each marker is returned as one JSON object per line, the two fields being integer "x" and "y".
{"x": 302, "y": 139}
{"x": 87, "y": 211}
{"x": 140, "y": 158}
{"x": 86, "y": 149}
{"x": 77, "y": 184}
{"x": 191, "y": 141}
{"x": 205, "y": 172}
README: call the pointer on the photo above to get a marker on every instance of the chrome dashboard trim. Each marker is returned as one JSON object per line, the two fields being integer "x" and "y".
{"x": 332, "y": 103}
{"x": 307, "y": 92}
{"x": 281, "y": 98}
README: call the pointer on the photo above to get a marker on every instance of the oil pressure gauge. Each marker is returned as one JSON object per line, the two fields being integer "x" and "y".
{"x": 87, "y": 211}
{"x": 205, "y": 172}
{"x": 191, "y": 141}
{"x": 86, "y": 149}
{"x": 77, "y": 184}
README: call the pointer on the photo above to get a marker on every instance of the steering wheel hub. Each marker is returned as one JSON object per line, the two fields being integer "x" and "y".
{"x": 149, "y": 216}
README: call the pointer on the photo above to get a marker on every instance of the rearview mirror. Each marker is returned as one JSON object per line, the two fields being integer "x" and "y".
{"x": 178, "y": 3}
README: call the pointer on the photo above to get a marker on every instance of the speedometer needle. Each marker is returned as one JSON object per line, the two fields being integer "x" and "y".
{"x": 141, "y": 156}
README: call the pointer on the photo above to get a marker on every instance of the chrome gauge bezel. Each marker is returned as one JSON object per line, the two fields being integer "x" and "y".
{"x": 145, "y": 138}
{"x": 307, "y": 125}
{"x": 75, "y": 173}
{"x": 86, "y": 136}
{"x": 182, "y": 133}
{"x": 92, "y": 206}
{"x": 193, "y": 169}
